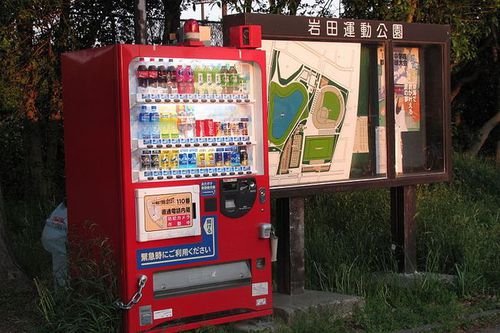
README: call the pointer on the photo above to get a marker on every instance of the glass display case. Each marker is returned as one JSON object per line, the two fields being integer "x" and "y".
{"x": 193, "y": 118}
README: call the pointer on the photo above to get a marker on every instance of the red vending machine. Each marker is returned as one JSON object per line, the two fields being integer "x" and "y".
{"x": 166, "y": 156}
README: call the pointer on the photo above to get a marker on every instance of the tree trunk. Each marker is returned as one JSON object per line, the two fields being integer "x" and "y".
{"x": 488, "y": 126}
{"x": 247, "y": 6}
{"x": 463, "y": 81}
{"x": 36, "y": 181}
{"x": 140, "y": 22}
{"x": 293, "y": 6}
{"x": 224, "y": 8}
{"x": 172, "y": 18}
{"x": 410, "y": 15}
{"x": 484, "y": 132}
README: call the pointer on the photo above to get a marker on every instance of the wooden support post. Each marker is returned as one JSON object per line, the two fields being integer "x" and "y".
{"x": 403, "y": 227}
{"x": 291, "y": 272}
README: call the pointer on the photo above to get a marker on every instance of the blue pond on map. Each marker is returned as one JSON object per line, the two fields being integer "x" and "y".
{"x": 285, "y": 111}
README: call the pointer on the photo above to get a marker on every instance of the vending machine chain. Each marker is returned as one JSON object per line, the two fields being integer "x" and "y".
{"x": 137, "y": 296}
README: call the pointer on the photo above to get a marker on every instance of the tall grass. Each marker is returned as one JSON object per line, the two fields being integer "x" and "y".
{"x": 347, "y": 249}
{"x": 25, "y": 222}
{"x": 87, "y": 304}
{"x": 460, "y": 224}
{"x": 348, "y": 243}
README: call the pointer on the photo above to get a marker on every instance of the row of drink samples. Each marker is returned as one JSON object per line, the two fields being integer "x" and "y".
{"x": 157, "y": 77}
{"x": 181, "y": 122}
{"x": 190, "y": 158}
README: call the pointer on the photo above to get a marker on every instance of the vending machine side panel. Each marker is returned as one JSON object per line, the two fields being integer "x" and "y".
{"x": 91, "y": 138}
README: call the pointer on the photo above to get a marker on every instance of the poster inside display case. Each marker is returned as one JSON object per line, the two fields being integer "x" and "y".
{"x": 322, "y": 124}
{"x": 313, "y": 99}
{"x": 407, "y": 110}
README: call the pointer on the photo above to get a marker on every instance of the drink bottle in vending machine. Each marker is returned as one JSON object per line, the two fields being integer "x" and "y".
{"x": 175, "y": 176}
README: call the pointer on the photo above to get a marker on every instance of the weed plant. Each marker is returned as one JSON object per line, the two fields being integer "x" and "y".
{"x": 87, "y": 304}
{"x": 348, "y": 249}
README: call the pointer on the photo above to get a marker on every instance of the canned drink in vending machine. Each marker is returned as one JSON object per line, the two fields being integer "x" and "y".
{"x": 183, "y": 159}
{"x": 235, "y": 130}
{"x": 199, "y": 128}
{"x": 219, "y": 158}
{"x": 227, "y": 129}
{"x": 174, "y": 159}
{"x": 227, "y": 158}
{"x": 243, "y": 156}
{"x": 235, "y": 157}
{"x": 192, "y": 158}
{"x": 145, "y": 159}
{"x": 208, "y": 125}
{"x": 155, "y": 159}
{"x": 243, "y": 128}
{"x": 165, "y": 160}
{"x": 217, "y": 128}
{"x": 210, "y": 158}
{"x": 202, "y": 162}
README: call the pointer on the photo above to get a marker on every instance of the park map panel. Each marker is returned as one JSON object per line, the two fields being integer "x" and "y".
{"x": 313, "y": 100}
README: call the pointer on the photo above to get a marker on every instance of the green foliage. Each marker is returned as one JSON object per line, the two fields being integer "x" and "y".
{"x": 460, "y": 223}
{"x": 87, "y": 305}
{"x": 341, "y": 246}
{"x": 348, "y": 238}
{"x": 24, "y": 227}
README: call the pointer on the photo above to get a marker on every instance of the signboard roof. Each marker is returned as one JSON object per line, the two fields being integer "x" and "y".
{"x": 336, "y": 29}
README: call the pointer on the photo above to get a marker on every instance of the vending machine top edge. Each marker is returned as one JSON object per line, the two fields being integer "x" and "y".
{"x": 166, "y": 159}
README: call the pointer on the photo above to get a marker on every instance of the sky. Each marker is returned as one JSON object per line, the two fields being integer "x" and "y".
{"x": 213, "y": 12}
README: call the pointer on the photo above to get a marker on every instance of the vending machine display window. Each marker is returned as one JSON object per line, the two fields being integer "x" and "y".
{"x": 194, "y": 118}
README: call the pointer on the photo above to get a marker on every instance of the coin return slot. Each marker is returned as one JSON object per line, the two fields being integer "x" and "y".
{"x": 230, "y": 205}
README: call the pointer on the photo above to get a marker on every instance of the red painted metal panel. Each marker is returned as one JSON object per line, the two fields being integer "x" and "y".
{"x": 100, "y": 187}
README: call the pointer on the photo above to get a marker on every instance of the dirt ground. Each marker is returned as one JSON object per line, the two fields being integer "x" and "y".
{"x": 18, "y": 309}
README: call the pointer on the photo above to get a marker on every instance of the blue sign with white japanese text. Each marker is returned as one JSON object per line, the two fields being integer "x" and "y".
{"x": 208, "y": 189}
{"x": 185, "y": 253}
